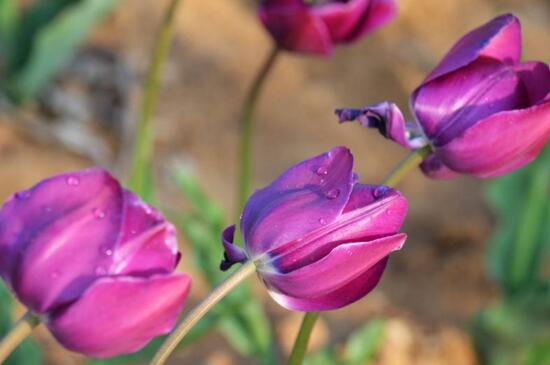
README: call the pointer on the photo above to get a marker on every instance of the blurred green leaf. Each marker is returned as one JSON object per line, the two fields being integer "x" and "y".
{"x": 28, "y": 352}
{"x": 323, "y": 357}
{"x": 364, "y": 343}
{"x": 522, "y": 238}
{"x": 246, "y": 327}
{"x": 48, "y": 37}
{"x": 516, "y": 331}
{"x": 9, "y": 16}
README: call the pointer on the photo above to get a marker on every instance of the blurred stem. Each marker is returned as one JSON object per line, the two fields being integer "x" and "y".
{"x": 246, "y": 130}
{"x": 143, "y": 148}
{"x": 410, "y": 162}
{"x": 300, "y": 346}
{"x": 308, "y": 322}
{"x": 201, "y": 310}
{"x": 21, "y": 329}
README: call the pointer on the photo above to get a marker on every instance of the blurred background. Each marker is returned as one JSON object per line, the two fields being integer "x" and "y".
{"x": 64, "y": 108}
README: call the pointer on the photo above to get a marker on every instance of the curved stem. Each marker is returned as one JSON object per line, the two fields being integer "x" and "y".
{"x": 410, "y": 162}
{"x": 308, "y": 322}
{"x": 143, "y": 149}
{"x": 199, "y": 311}
{"x": 300, "y": 346}
{"x": 246, "y": 130}
{"x": 21, "y": 329}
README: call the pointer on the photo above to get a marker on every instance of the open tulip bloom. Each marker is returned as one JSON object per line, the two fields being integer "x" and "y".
{"x": 315, "y": 26}
{"x": 319, "y": 239}
{"x": 482, "y": 111}
{"x": 93, "y": 261}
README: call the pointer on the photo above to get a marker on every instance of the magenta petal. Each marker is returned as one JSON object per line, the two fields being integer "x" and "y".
{"x": 536, "y": 78}
{"x": 342, "y": 19}
{"x": 147, "y": 242}
{"x": 347, "y": 294}
{"x": 434, "y": 168}
{"x": 450, "y": 104}
{"x": 307, "y": 196}
{"x": 500, "y": 39}
{"x": 492, "y": 147}
{"x": 379, "y": 13}
{"x": 54, "y": 237}
{"x": 232, "y": 253}
{"x": 296, "y": 28}
{"x": 120, "y": 315}
{"x": 343, "y": 264}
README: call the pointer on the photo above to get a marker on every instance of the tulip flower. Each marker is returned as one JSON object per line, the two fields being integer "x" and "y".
{"x": 319, "y": 239}
{"x": 93, "y": 261}
{"x": 315, "y": 26}
{"x": 482, "y": 111}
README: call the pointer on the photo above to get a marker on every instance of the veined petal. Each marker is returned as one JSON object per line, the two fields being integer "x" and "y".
{"x": 307, "y": 196}
{"x": 347, "y": 294}
{"x": 499, "y": 39}
{"x": 448, "y": 105}
{"x": 55, "y": 236}
{"x": 296, "y": 28}
{"x": 492, "y": 147}
{"x": 120, "y": 315}
{"x": 343, "y": 264}
{"x": 147, "y": 243}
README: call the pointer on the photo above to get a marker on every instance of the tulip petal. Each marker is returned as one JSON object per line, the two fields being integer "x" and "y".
{"x": 492, "y": 147}
{"x": 147, "y": 243}
{"x": 342, "y": 19}
{"x": 447, "y": 106}
{"x": 500, "y": 39}
{"x": 370, "y": 213}
{"x": 55, "y": 237}
{"x": 119, "y": 315}
{"x": 349, "y": 293}
{"x": 343, "y": 264}
{"x": 307, "y": 196}
{"x": 379, "y": 13}
{"x": 296, "y": 28}
{"x": 232, "y": 253}
{"x": 536, "y": 78}
{"x": 389, "y": 120}
{"x": 434, "y": 168}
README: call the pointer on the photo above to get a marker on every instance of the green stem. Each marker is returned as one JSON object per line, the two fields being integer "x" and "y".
{"x": 308, "y": 322}
{"x": 143, "y": 149}
{"x": 300, "y": 346}
{"x": 17, "y": 334}
{"x": 246, "y": 130}
{"x": 200, "y": 311}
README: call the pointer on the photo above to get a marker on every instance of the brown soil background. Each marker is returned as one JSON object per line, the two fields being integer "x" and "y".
{"x": 434, "y": 285}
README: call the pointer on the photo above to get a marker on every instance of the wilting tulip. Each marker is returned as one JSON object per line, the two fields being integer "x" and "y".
{"x": 93, "y": 261}
{"x": 320, "y": 240}
{"x": 315, "y": 26}
{"x": 482, "y": 111}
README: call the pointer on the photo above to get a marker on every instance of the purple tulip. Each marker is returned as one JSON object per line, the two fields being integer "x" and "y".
{"x": 94, "y": 261}
{"x": 319, "y": 239}
{"x": 481, "y": 110}
{"x": 314, "y": 26}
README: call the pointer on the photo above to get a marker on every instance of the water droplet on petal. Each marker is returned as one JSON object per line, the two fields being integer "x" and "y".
{"x": 332, "y": 194}
{"x": 47, "y": 209}
{"x": 73, "y": 181}
{"x": 98, "y": 213}
{"x": 100, "y": 270}
{"x": 22, "y": 195}
{"x": 322, "y": 171}
{"x": 133, "y": 231}
{"x": 380, "y": 191}
{"x": 322, "y": 221}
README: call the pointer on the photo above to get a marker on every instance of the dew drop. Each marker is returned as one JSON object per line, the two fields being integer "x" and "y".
{"x": 107, "y": 251}
{"x": 73, "y": 181}
{"x": 98, "y": 213}
{"x": 322, "y": 171}
{"x": 100, "y": 270}
{"x": 322, "y": 221}
{"x": 332, "y": 194}
{"x": 380, "y": 191}
{"x": 22, "y": 195}
{"x": 47, "y": 209}
{"x": 133, "y": 231}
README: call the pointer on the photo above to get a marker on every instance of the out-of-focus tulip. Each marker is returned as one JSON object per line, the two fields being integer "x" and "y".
{"x": 93, "y": 261}
{"x": 315, "y": 26}
{"x": 319, "y": 239}
{"x": 483, "y": 111}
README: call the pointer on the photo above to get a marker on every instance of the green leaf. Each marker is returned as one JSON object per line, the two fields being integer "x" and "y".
{"x": 28, "y": 352}
{"x": 363, "y": 344}
{"x": 9, "y": 16}
{"x": 522, "y": 238}
{"x": 53, "y": 32}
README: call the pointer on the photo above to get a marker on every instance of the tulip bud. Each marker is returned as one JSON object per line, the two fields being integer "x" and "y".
{"x": 315, "y": 26}
{"x": 93, "y": 261}
{"x": 320, "y": 240}
{"x": 483, "y": 111}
